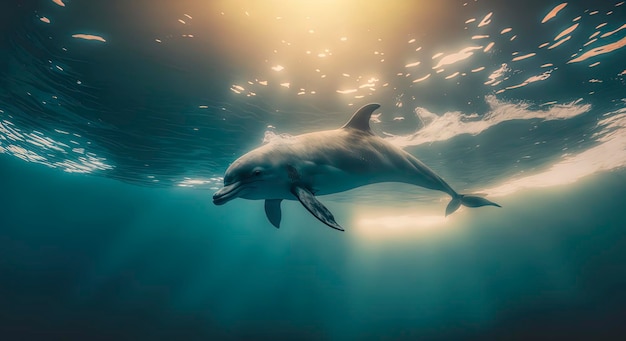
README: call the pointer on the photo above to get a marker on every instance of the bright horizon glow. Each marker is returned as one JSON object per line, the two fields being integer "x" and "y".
{"x": 610, "y": 154}
{"x": 378, "y": 223}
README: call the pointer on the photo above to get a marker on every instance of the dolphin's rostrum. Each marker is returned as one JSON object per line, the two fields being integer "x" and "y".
{"x": 326, "y": 162}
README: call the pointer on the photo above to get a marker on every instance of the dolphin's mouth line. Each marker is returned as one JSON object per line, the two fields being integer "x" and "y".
{"x": 230, "y": 192}
{"x": 227, "y": 193}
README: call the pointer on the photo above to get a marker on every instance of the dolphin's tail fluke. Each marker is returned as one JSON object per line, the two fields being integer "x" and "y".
{"x": 469, "y": 201}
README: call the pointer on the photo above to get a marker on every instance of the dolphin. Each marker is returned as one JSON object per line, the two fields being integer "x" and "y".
{"x": 325, "y": 162}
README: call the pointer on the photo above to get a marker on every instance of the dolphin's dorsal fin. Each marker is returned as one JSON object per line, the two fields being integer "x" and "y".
{"x": 361, "y": 118}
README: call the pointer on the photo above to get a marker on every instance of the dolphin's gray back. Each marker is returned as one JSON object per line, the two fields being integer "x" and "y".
{"x": 365, "y": 157}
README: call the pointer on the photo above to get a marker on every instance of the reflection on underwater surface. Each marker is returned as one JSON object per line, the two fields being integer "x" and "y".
{"x": 101, "y": 107}
{"x": 521, "y": 101}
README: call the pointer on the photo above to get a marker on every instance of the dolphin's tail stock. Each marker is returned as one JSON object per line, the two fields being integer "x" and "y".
{"x": 469, "y": 201}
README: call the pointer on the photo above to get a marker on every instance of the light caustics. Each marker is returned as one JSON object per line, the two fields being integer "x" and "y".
{"x": 310, "y": 47}
{"x": 566, "y": 31}
{"x": 335, "y": 58}
{"x": 57, "y": 149}
{"x": 600, "y": 50}
{"x": 552, "y": 14}
{"x": 327, "y": 59}
{"x": 89, "y": 37}
{"x": 314, "y": 47}
{"x": 457, "y": 57}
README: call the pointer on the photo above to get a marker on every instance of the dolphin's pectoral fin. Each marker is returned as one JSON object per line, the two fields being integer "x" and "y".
{"x": 272, "y": 211}
{"x": 315, "y": 207}
{"x": 307, "y": 199}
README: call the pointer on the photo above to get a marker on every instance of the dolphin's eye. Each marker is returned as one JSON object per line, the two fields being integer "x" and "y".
{"x": 256, "y": 172}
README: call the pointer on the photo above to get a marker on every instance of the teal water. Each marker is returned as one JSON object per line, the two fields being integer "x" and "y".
{"x": 110, "y": 150}
{"x": 94, "y": 258}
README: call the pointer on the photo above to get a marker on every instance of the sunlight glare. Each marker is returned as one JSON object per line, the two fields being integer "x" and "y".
{"x": 296, "y": 39}
{"x": 382, "y": 223}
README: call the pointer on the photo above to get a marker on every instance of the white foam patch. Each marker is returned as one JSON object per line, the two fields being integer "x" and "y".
{"x": 457, "y": 57}
{"x": 494, "y": 77}
{"x": 451, "y": 124}
{"x": 271, "y": 136}
{"x": 609, "y": 154}
{"x": 533, "y": 79}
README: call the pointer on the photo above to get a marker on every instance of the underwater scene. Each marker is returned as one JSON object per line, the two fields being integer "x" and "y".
{"x": 127, "y": 213}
